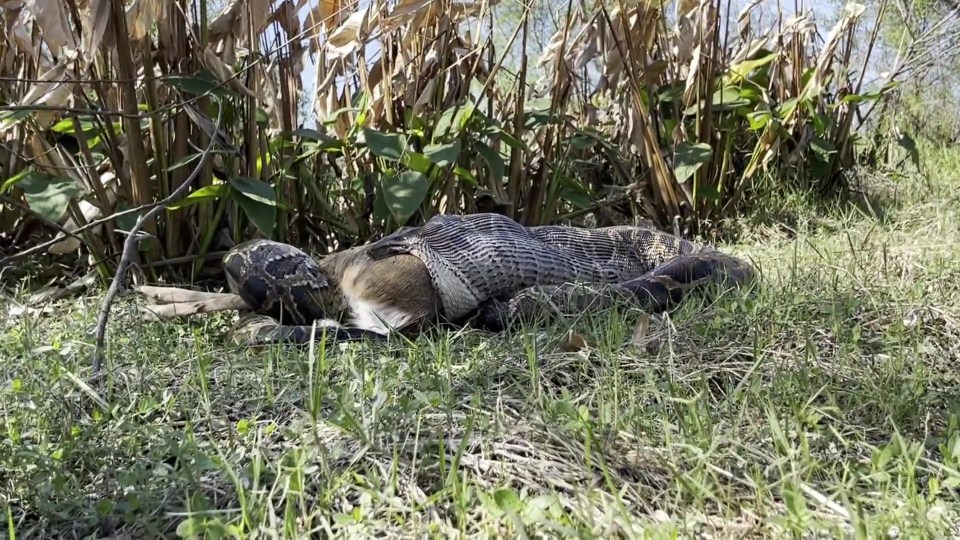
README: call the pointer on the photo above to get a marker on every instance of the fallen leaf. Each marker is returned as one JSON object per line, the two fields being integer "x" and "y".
{"x": 639, "y": 337}
{"x": 576, "y": 342}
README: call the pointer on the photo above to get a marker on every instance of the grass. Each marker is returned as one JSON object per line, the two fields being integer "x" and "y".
{"x": 822, "y": 403}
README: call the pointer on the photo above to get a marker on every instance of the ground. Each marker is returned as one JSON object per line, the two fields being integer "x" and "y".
{"x": 820, "y": 403}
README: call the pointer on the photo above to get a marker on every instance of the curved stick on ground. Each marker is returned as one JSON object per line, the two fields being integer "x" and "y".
{"x": 130, "y": 246}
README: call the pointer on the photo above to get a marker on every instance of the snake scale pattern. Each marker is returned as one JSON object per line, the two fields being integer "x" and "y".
{"x": 484, "y": 270}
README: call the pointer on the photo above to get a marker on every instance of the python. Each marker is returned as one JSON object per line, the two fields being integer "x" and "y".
{"x": 482, "y": 270}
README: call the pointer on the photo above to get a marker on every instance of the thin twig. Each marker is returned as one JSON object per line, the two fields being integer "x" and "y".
{"x": 130, "y": 246}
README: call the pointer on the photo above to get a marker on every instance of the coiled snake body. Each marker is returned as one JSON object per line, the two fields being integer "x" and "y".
{"x": 484, "y": 270}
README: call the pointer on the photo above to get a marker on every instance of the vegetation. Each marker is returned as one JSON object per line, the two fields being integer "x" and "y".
{"x": 822, "y": 402}
{"x": 635, "y": 114}
{"x": 819, "y": 402}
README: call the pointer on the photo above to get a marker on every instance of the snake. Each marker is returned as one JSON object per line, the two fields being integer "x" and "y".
{"x": 482, "y": 270}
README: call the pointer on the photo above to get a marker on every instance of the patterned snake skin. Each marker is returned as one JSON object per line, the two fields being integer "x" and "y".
{"x": 489, "y": 271}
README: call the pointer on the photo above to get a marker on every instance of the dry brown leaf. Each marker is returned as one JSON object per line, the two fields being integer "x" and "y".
{"x": 237, "y": 17}
{"x": 95, "y": 19}
{"x": 141, "y": 15}
{"x": 50, "y": 92}
{"x": 53, "y": 18}
{"x": 576, "y": 342}
{"x": 639, "y": 337}
{"x": 225, "y": 73}
{"x": 404, "y": 12}
{"x": 351, "y": 35}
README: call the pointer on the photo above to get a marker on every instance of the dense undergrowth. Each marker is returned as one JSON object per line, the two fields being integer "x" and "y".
{"x": 822, "y": 401}
{"x": 675, "y": 116}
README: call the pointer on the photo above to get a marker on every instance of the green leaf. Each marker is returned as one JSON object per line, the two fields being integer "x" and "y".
{"x": 728, "y": 98}
{"x": 258, "y": 201}
{"x": 418, "y": 162}
{"x": 67, "y": 126}
{"x": 907, "y": 142}
{"x": 507, "y": 500}
{"x": 581, "y": 142}
{"x": 10, "y": 182}
{"x": 443, "y": 154}
{"x": 385, "y": 145}
{"x": 206, "y": 193}
{"x": 537, "y": 119}
{"x": 405, "y": 193}
{"x": 327, "y": 142}
{"x": 741, "y": 70}
{"x": 510, "y": 140}
{"x": 706, "y": 191}
{"x": 48, "y": 195}
{"x": 688, "y": 158}
{"x": 759, "y": 119}
{"x": 822, "y": 148}
{"x": 787, "y": 108}
{"x": 183, "y": 161}
{"x": 257, "y": 190}
{"x": 199, "y": 83}
{"x": 494, "y": 161}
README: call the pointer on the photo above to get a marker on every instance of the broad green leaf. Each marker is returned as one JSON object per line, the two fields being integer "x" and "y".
{"x": 728, "y": 98}
{"x": 418, "y": 162}
{"x": 386, "y": 145}
{"x": 262, "y": 118}
{"x": 740, "y": 71}
{"x": 822, "y": 148}
{"x": 255, "y": 189}
{"x": 869, "y": 96}
{"x": 494, "y": 161}
{"x": 9, "y": 182}
{"x": 576, "y": 197}
{"x": 67, "y": 126}
{"x": 759, "y": 119}
{"x": 443, "y": 154}
{"x": 261, "y": 162}
{"x": 263, "y": 216}
{"x": 465, "y": 175}
{"x": 671, "y": 92}
{"x": 199, "y": 83}
{"x": 708, "y": 192}
{"x": 48, "y": 195}
{"x": 306, "y": 133}
{"x": 183, "y": 161}
{"x": 258, "y": 201}
{"x": 463, "y": 117}
{"x": 206, "y": 193}
{"x": 509, "y": 139}
{"x": 536, "y": 119}
{"x": 724, "y": 99}
{"x": 445, "y": 122}
{"x": 9, "y": 119}
{"x": 787, "y": 108}
{"x": 581, "y": 142}
{"x": 326, "y": 141}
{"x": 688, "y": 158}
{"x": 507, "y": 500}
{"x": 405, "y": 193}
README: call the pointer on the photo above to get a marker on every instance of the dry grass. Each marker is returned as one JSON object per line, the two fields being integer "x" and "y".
{"x": 824, "y": 401}
{"x": 673, "y": 113}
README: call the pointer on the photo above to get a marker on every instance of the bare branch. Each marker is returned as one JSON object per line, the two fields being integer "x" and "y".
{"x": 130, "y": 247}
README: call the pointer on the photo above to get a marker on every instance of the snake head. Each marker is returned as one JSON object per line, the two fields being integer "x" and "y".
{"x": 278, "y": 280}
